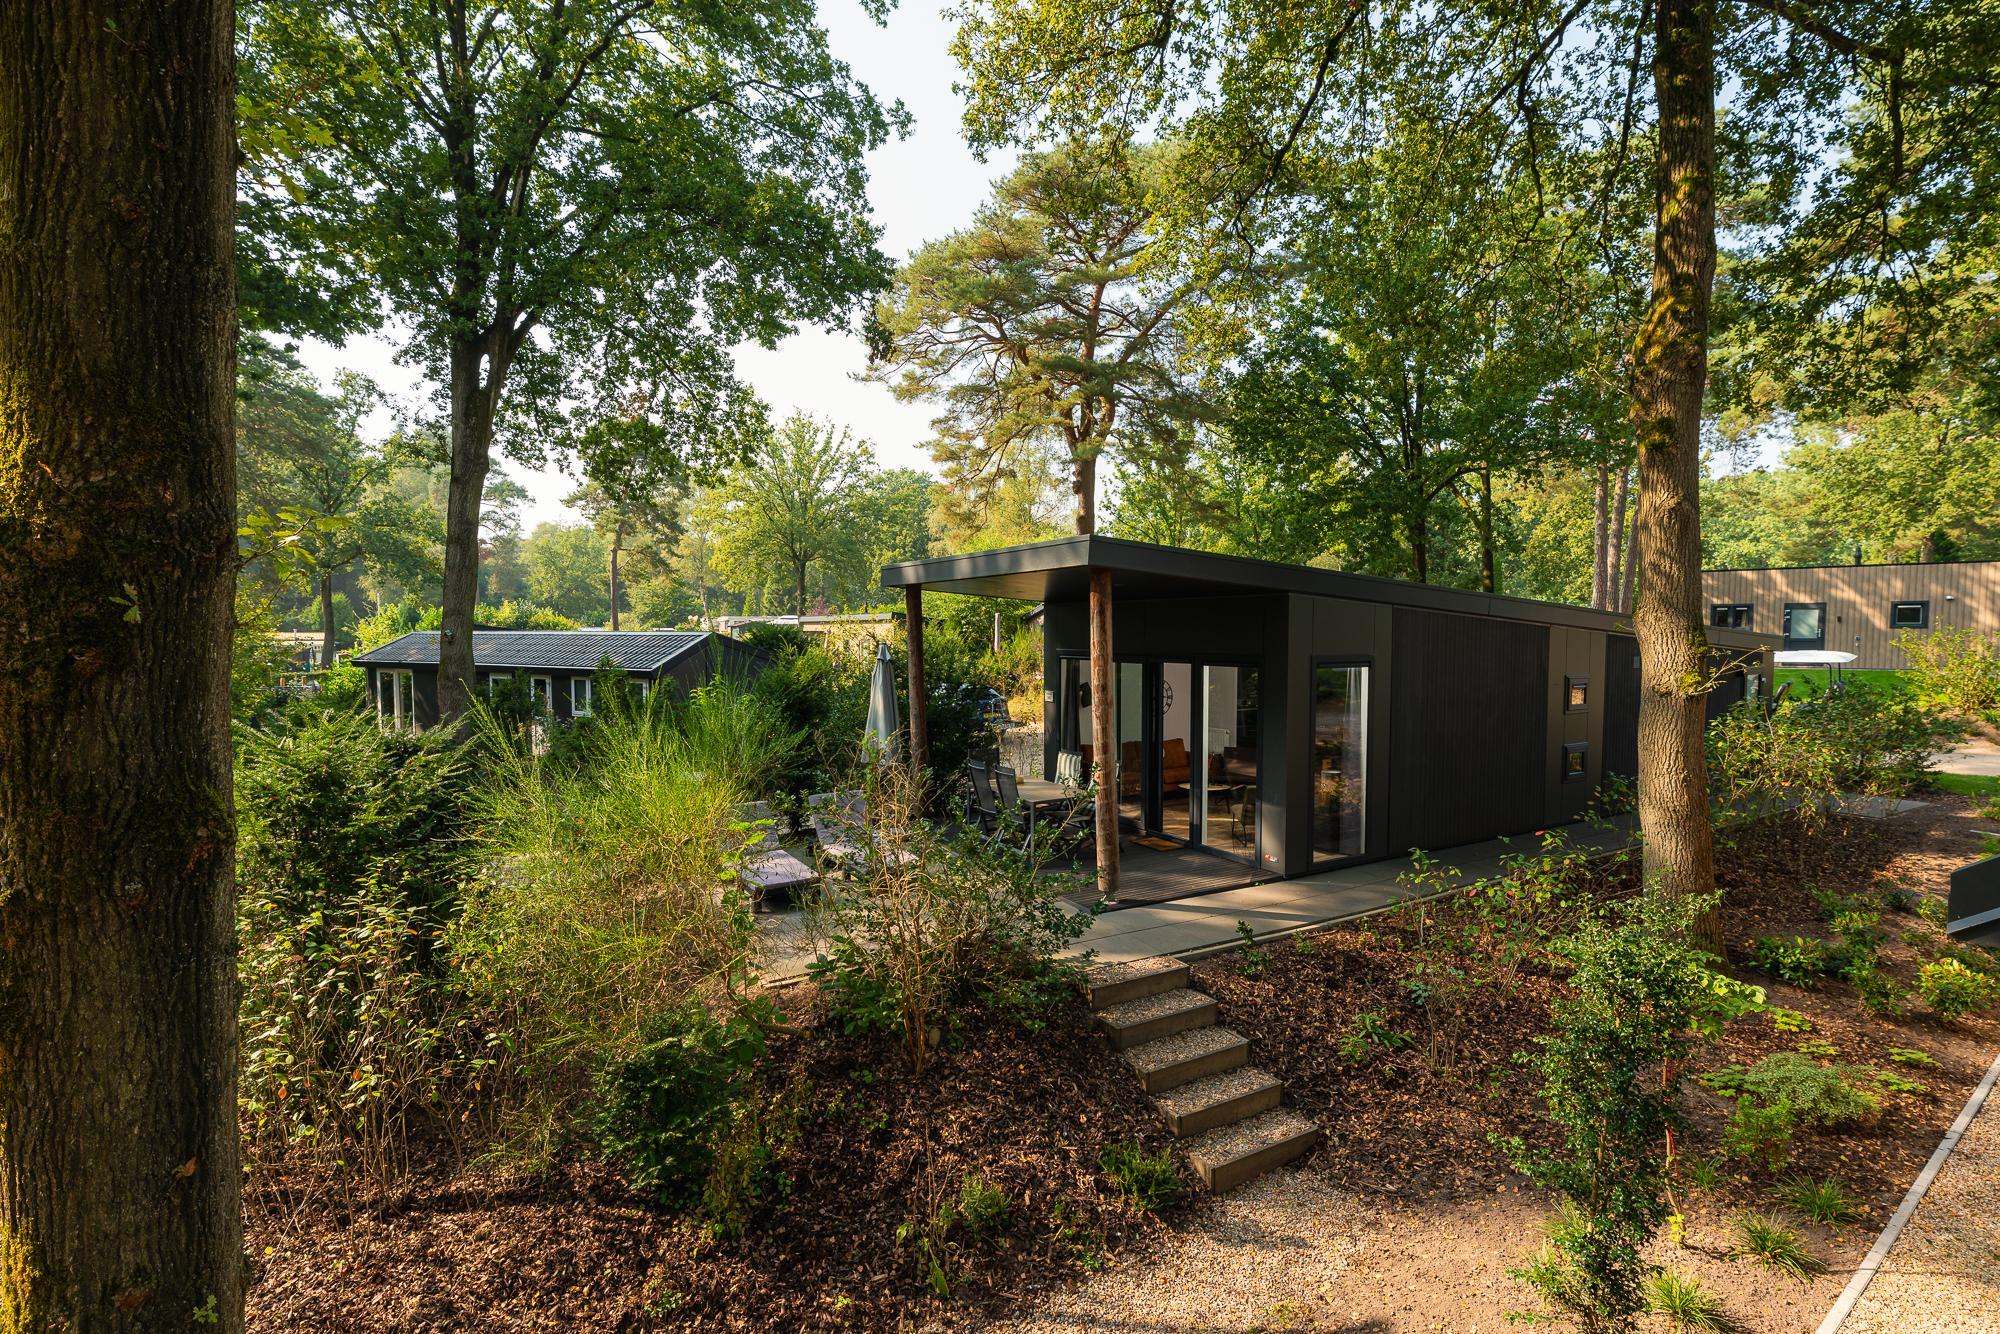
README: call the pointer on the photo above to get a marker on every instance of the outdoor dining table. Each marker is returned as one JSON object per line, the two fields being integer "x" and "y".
{"x": 1037, "y": 793}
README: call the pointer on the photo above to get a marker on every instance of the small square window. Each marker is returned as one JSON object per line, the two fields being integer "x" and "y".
{"x": 1576, "y": 694}
{"x": 1576, "y": 756}
{"x": 1909, "y": 615}
{"x": 1731, "y": 615}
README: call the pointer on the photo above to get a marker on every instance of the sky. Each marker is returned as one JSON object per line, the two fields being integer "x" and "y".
{"x": 920, "y": 188}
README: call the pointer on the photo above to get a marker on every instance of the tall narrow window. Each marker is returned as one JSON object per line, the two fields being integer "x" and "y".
{"x": 1340, "y": 760}
{"x": 406, "y": 699}
{"x": 1230, "y": 722}
{"x": 579, "y": 696}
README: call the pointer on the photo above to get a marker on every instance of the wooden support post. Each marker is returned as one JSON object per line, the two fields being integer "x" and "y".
{"x": 920, "y": 728}
{"x": 1104, "y": 732}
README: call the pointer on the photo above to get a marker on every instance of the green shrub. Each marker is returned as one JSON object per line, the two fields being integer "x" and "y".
{"x": 982, "y": 1206}
{"x": 659, "y": 1112}
{"x": 1642, "y": 998}
{"x": 1768, "y": 1242}
{"x": 1760, "y": 1133}
{"x": 1953, "y": 670}
{"x": 1859, "y": 930}
{"x": 1953, "y": 990}
{"x": 1935, "y": 911}
{"x": 351, "y": 1042}
{"x": 744, "y": 1150}
{"x": 1882, "y": 741}
{"x": 1789, "y": 1021}
{"x": 1801, "y": 961}
{"x": 930, "y": 921}
{"x": 334, "y": 805}
{"x": 1368, "y": 1035}
{"x": 1147, "y": 1180}
{"x": 1877, "y": 990}
{"x": 1820, "y": 1095}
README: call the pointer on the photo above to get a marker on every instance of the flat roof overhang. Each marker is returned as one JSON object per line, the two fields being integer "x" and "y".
{"x": 1059, "y": 571}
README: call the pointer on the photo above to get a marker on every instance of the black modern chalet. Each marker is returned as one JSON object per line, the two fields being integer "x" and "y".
{"x": 1293, "y": 718}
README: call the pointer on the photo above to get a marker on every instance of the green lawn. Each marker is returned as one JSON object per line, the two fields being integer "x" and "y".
{"x": 1968, "y": 785}
{"x": 1803, "y": 679}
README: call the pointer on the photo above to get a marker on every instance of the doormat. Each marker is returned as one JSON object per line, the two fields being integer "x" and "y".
{"x": 1155, "y": 842}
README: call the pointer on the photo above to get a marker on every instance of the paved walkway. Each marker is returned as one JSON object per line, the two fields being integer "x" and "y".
{"x": 1207, "y": 922}
{"x": 1981, "y": 758}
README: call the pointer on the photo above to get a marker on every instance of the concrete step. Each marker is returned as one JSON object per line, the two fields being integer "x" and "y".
{"x": 1108, "y": 984}
{"x": 1219, "y": 1100}
{"x": 1230, "y": 1155}
{"x": 1158, "y": 1016}
{"x": 1168, "y": 1063}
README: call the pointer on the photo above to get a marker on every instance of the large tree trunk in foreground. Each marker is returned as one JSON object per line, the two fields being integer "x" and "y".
{"x": 472, "y": 403}
{"x": 1670, "y": 374}
{"x": 119, "y": 1178}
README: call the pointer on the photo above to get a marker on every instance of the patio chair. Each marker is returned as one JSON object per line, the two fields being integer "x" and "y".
{"x": 985, "y": 809}
{"x": 769, "y": 872}
{"x": 1009, "y": 786}
{"x": 1069, "y": 767}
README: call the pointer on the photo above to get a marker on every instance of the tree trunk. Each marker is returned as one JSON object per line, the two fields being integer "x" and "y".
{"x": 472, "y": 403}
{"x": 1083, "y": 481}
{"x": 1104, "y": 732}
{"x": 799, "y": 589}
{"x": 1621, "y": 546}
{"x": 1670, "y": 360}
{"x": 1420, "y": 547}
{"x": 1489, "y": 573}
{"x": 920, "y": 727}
{"x": 1601, "y": 582}
{"x": 119, "y": 1176}
{"x": 617, "y": 539}
{"x": 327, "y": 647}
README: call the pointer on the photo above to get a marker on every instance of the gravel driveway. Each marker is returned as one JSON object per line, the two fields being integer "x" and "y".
{"x": 1943, "y": 1273}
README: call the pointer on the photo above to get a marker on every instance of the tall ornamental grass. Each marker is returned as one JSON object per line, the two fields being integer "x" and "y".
{"x": 611, "y": 895}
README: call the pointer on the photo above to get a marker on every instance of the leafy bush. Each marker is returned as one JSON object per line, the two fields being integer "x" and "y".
{"x": 929, "y": 920}
{"x": 335, "y": 806}
{"x": 1912, "y": 1056}
{"x": 1369, "y": 1034}
{"x": 659, "y": 1111}
{"x": 1801, "y": 961}
{"x": 1148, "y": 1180}
{"x": 982, "y": 1206}
{"x": 350, "y": 1044}
{"x": 1821, "y": 1095}
{"x": 1859, "y": 931}
{"x": 1953, "y": 990}
{"x": 1877, "y": 990}
{"x": 1642, "y": 997}
{"x": 1760, "y": 1133}
{"x": 744, "y": 1153}
{"x": 1881, "y": 741}
{"x": 1952, "y": 670}
{"x": 1789, "y": 1021}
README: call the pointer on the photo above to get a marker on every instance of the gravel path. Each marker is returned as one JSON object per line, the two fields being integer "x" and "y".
{"x": 1259, "y": 1258}
{"x": 1943, "y": 1273}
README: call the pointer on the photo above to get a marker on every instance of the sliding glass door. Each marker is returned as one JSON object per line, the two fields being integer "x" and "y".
{"x": 1230, "y": 754}
{"x": 1339, "y": 760}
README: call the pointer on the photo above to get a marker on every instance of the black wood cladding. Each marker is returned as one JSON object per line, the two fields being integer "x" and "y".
{"x": 1621, "y": 706}
{"x": 1470, "y": 729}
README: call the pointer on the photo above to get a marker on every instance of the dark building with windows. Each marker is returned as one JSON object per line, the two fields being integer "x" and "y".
{"x": 1292, "y": 718}
{"x": 559, "y": 666}
{"x": 1858, "y": 609}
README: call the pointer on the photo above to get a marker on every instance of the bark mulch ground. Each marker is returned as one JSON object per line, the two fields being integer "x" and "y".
{"x": 877, "y": 1149}
{"x": 1407, "y": 1218}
